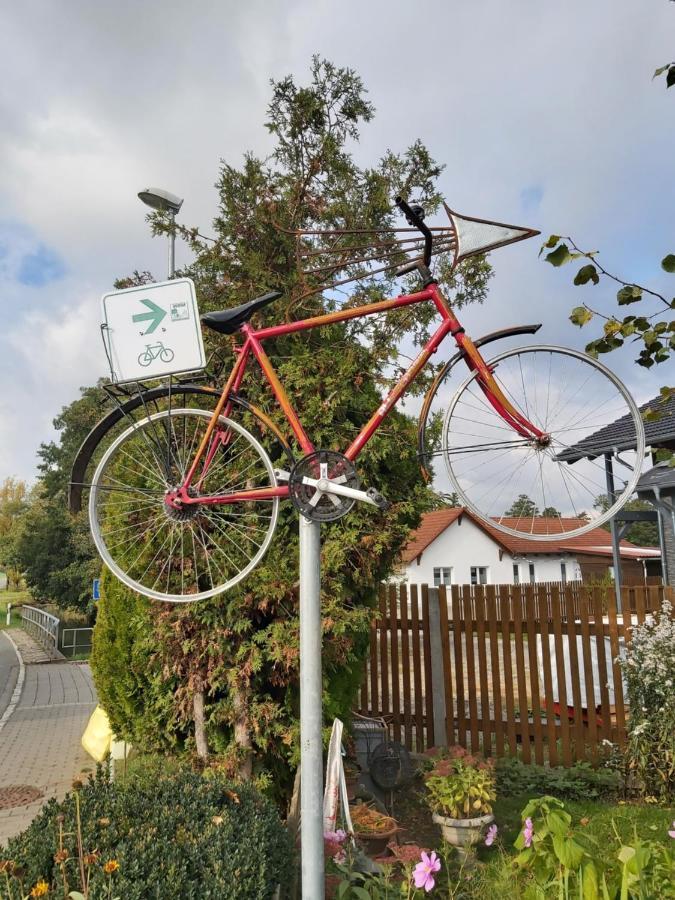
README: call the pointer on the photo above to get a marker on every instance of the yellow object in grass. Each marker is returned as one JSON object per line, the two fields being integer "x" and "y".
{"x": 98, "y": 736}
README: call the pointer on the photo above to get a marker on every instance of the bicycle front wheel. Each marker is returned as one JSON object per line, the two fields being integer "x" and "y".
{"x": 200, "y": 550}
{"x": 549, "y": 490}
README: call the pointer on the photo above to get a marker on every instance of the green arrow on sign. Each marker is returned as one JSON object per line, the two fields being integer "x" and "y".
{"x": 154, "y": 316}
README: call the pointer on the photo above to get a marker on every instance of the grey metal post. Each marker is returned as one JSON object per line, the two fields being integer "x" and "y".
{"x": 437, "y": 673}
{"x": 311, "y": 748}
{"x": 172, "y": 247}
{"x": 616, "y": 547}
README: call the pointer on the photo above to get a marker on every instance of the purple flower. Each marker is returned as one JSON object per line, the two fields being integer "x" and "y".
{"x": 491, "y": 835}
{"x": 672, "y": 833}
{"x": 528, "y": 831}
{"x": 423, "y": 873}
{"x": 336, "y": 837}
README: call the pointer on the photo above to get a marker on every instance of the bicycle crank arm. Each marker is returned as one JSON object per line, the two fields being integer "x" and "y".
{"x": 326, "y": 486}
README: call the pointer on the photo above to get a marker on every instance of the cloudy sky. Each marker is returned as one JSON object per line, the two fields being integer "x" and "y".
{"x": 545, "y": 114}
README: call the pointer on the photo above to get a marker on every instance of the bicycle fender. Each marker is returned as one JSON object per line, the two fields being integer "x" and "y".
{"x": 452, "y": 362}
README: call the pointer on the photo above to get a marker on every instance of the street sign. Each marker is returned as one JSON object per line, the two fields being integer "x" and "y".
{"x": 96, "y": 589}
{"x": 152, "y": 331}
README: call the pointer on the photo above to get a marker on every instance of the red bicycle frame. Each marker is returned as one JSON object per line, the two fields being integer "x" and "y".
{"x": 253, "y": 345}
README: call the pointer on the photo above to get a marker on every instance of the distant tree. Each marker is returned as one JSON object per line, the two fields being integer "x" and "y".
{"x": 451, "y": 499}
{"x": 523, "y": 506}
{"x": 54, "y": 552}
{"x": 644, "y": 534}
{"x": 73, "y": 424}
{"x": 550, "y": 512}
{"x": 13, "y": 504}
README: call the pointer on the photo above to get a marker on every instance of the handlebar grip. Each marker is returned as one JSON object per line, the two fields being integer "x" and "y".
{"x": 412, "y": 218}
{"x": 418, "y": 222}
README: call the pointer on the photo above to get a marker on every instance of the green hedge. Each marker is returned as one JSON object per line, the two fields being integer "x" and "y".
{"x": 578, "y": 782}
{"x": 179, "y": 835}
{"x": 129, "y": 686}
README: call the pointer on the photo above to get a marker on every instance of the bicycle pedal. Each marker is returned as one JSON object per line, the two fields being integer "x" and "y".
{"x": 377, "y": 498}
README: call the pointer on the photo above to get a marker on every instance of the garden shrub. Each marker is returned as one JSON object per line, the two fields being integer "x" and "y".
{"x": 649, "y": 670}
{"x": 578, "y": 782}
{"x": 129, "y": 686}
{"x": 181, "y": 835}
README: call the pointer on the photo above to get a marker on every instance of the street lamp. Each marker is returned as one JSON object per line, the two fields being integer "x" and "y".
{"x": 157, "y": 198}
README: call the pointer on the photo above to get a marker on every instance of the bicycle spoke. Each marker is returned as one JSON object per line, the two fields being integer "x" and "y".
{"x": 570, "y": 397}
{"x": 172, "y": 551}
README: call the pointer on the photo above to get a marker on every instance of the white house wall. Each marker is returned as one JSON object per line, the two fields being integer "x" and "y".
{"x": 464, "y": 545}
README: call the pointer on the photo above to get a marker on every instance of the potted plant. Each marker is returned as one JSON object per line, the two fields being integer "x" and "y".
{"x": 371, "y": 828}
{"x": 460, "y": 797}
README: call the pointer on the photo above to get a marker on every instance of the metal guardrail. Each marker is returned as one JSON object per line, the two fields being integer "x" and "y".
{"x": 79, "y": 642}
{"x": 41, "y": 625}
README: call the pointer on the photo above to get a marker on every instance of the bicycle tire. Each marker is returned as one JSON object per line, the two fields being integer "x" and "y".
{"x": 137, "y": 520}
{"x": 516, "y": 455}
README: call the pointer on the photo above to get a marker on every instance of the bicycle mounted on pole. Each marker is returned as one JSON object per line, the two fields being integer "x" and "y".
{"x": 184, "y": 502}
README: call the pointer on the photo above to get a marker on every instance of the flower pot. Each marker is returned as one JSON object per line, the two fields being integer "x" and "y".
{"x": 375, "y": 843}
{"x": 462, "y": 833}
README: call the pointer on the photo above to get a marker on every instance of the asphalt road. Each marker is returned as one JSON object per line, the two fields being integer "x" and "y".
{"x": 9, "y": 671}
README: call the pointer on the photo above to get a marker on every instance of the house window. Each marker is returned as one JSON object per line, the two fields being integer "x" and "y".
{"x": 442, "y": 576}
{"x": 532, "y": 578}
{"x": 479, "y": 574}
{"x": 563, "y": 572}
{"x": 516, "y": 573}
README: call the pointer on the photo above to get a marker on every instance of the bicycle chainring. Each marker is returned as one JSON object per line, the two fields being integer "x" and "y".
{"x": 312, "y": 503}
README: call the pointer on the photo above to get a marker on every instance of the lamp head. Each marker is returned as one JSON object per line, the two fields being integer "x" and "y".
{"x": 160, "y": 199}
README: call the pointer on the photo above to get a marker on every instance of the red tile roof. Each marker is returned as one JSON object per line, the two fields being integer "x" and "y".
{"x": 597, "y": 541}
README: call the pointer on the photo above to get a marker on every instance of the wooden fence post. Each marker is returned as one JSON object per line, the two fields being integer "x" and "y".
{"x": 437, "y": 673}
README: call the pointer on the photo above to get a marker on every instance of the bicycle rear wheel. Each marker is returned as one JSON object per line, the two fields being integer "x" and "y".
{"x": 200, "y": 550}
{"x": 543, "y": 492}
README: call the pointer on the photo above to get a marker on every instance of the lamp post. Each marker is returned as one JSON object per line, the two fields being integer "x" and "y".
{"x": 158, "y": 198}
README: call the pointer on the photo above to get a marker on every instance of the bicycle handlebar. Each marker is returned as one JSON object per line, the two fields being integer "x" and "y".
{"x": 413, "y": 217}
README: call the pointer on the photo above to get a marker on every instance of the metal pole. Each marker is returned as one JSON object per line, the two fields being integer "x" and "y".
{"x": 616, "y": 547}
{"x": 172, "y": 247}
{"x": 311, "y": 749}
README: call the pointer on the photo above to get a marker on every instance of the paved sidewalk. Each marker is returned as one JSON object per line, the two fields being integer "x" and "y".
{"x": 40, "y": 741}
{"x": 9, "y": 671}
{"x": 31, "y": 652}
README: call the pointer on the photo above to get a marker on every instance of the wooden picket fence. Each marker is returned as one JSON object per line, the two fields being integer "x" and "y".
{"x": 501, "y": 667}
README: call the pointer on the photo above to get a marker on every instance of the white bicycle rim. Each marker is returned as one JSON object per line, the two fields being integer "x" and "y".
{"x": 101, "y": 545}
{"x": 620, "y": 498}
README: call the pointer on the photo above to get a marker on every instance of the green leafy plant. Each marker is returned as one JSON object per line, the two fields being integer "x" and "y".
{"x": 180, "y": 835}
{"x": 558, "y": 860}
{"x": 549, "y": 850}
{"x": 460, "y": 791}
{"x": 578, "y": 782}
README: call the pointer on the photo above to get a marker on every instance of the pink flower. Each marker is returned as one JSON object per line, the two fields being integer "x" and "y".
{"x": 528, "y": 832}
{"x": 423, "y": 873}
{"x": 337, "y": 837}
{"x": 672, "y": 833}
{"x": 491, "y": 835}
{"x": 332, "y": 844}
